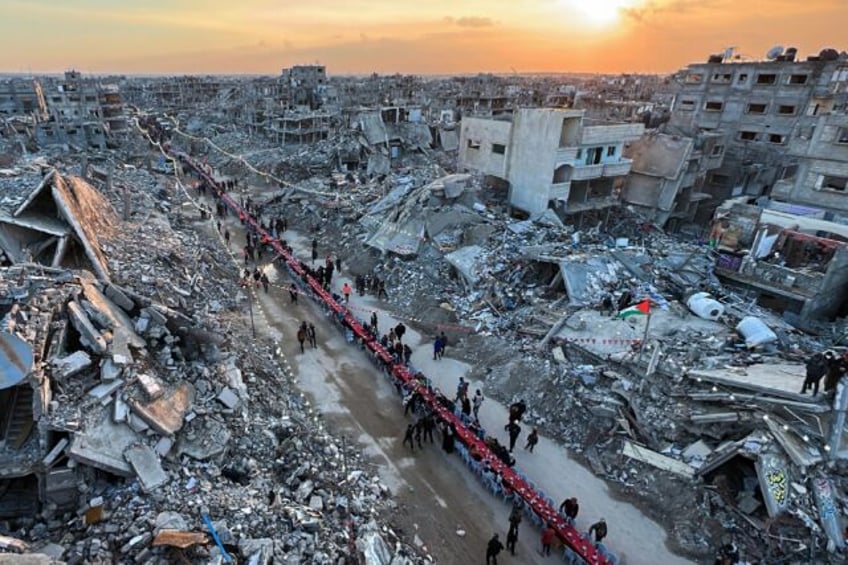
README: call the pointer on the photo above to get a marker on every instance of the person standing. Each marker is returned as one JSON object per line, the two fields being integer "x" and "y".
{"x": 310, "y": 333}
{"x": 548, "y": 537}
{"x": 408, "y": 437}
{"x": 444, "y": 339}
{"x": 511, "y": 540}
{"x": 346, "y": 291}
{"x": 600, "y": 530}
{"x": 227, "y": 236}
{"x": 477, "y": 402}
{"x": 301, "y": 335}
{"x": 514, "y": 431}
{"x": 816, "y": 367}
{"x": 374, "y": 322}
{"x": 493, "y": 548}
{"x": 407, "y": 354}
{"x": 532, "y": 440}
{"x": 293, "y": 293}
{"x": 514, "y": 521}
{"x": 265, "y": 281}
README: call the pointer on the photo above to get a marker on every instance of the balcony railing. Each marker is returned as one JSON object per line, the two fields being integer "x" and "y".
{"x": 617, "y": 169}
{"x": 586, "y": 172}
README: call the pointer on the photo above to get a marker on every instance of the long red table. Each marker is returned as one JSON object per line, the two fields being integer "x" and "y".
{"x": 549, "y": 515}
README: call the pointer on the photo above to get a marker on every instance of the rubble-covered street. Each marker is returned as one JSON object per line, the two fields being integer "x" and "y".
{"x": 156, "y": 404}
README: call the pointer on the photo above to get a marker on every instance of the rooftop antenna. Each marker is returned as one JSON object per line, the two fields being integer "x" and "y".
{"x": 774, "y": 52}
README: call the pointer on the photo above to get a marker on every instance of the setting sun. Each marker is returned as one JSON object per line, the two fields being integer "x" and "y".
{"x": 598, "y": 12}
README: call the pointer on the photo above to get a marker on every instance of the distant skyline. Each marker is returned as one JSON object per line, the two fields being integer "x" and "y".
{"x": 432, "y": 37}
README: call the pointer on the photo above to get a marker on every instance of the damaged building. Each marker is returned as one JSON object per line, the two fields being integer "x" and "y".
{"x": 550, "y": 158}
{"x": 785, "y": 122}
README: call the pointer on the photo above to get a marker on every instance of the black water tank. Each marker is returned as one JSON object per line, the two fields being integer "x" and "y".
{"x": 790, "y": 53}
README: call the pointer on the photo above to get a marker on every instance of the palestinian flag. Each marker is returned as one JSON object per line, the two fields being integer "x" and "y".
{"x": 641, "y": 309}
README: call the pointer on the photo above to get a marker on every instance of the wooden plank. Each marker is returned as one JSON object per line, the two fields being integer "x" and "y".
{"x": 178, "y": 538}
{"x": 13, "y": 544}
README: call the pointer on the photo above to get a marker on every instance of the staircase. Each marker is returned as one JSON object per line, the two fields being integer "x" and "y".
{"x": 18, "y": 425}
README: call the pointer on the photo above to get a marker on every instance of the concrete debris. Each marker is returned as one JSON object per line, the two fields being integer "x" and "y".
{"x": 521, "y": 232}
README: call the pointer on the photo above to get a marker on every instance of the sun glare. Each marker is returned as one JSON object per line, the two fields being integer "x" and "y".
{"x": 600, "y": 13}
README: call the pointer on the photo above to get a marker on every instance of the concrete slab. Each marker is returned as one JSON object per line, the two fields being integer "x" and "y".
{"x": 779, "y": 379}
{"x": 104, "y": 390}
{"x": 71, "y": 365}
{"x": 109, "y": 370}
{"x": 89, "y": 336}
{"x": 165, "y": 414}
{"x": 102, "y": 445}
{"x": 147, "y": 467}
{"x": 228, "y": 398}
{"x": 118, "y": 296}
{"x": 123, "y": 332}
{"x": 657, "y": 460}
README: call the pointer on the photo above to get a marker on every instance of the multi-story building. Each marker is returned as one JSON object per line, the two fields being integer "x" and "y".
{"x": 19, "y": 97}
{"x": 786, "y": 124}
{"x": 550, "y": 158}
{"x": 81, "y": 111}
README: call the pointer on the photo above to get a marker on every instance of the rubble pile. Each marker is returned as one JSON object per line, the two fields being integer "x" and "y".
{"x": 643, "y": 418}
{"x": 156, "y": 411}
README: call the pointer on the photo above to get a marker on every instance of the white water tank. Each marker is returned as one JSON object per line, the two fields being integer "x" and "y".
{"x": 755, "y": 331}
{"x": 705, "y": 306}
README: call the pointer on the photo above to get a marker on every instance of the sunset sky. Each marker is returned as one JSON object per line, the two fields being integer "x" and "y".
{"x": 428, "y": 37}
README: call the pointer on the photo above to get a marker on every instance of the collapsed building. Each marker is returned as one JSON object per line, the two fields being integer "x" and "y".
{"x": 696, "y": 407}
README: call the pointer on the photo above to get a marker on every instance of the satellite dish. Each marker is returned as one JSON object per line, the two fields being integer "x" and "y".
{"x": 15, "y": 360}
{"x": 774, "y": 52}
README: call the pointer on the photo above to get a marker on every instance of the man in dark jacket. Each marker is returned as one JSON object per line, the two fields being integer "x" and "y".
{"x": 816, "y": 368}
{"x": 493, "y": 549}
{"x": 514, "y": 430}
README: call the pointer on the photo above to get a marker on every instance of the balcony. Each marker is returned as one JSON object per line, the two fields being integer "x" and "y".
{"x": 566, "y": 155}
{"x": 617, "y": 169}
{"x": 586, "y": 172}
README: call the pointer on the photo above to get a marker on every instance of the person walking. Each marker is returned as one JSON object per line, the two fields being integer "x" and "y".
{"x": 514, "y": 431}
{"x": 493, "y": 548}
{"x": 346, "y": 291}
{"x": 310, "y": 333}
{"x": 407, "y": 354}
{"x": 419, "y": 431}
{"x": 532, "y": 440}
{"x": 548, "y": 537}
{"x": 570, "y": 507}
{"x": 408, "y": 437}
{"x": 514, "y": 521}
{"x": 293, "y": 293}
{"x": 437, "y": 348}
{"x": 461, "y": 388}
{"x": 374, "y": 323}
{"x": 511, "y": 540}
{"x": 600, "y": 530}
{"x": 301, "y": 335}
{"x": 477, "y": 402}
{"x": 265, "y": 281}
{"x": 444, "y": 339}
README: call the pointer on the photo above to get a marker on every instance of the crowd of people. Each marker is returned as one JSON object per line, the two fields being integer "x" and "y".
{"x": 426, "y": 421}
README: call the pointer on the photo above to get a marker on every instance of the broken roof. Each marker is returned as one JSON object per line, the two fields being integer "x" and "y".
{"x": 57, "y": 207}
